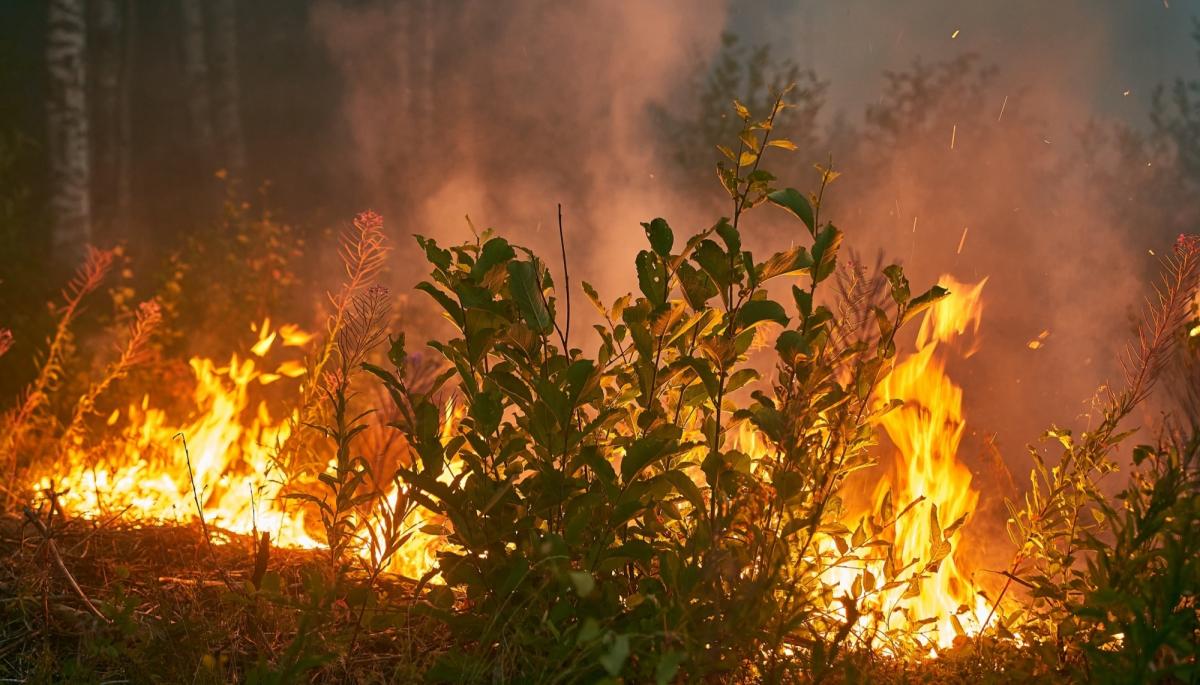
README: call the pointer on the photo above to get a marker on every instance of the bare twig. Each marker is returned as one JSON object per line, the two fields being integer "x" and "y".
{"x": 562, "y": 244}
{"x": 200, "y": 513}
{"x": 58, "y": 561}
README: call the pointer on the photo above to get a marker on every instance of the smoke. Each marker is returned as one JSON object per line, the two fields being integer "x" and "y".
{"x": 532, "y": 104}
{"x": 501, "y": 111}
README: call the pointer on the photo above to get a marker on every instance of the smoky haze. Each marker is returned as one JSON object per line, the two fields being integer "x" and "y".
{"x": 981, "y": 174}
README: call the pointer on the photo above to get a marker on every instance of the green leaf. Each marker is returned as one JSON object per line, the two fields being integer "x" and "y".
{"x": 789, "y": 262}
{"x": 450, "y": 306}
{"x": 652, "y": 277}
{"x": 924, "y": 301}
{"x": 583, "y": 582}
{"x": 895, "y": 276}
{"x": 792, "y": 346}
{"x": 707, "y": 377}
{"x": 614, "y": 659}
{"x": 730, "y": 235}
{"x": 804, "y": 301}
{"x": 590, "y": 630}
{"x": 396, "y": 354}
{"x": 755, "y": 311}
{"x": 668, "y": 666}
{"x": 434, "y": 254}
{"x": 523, "y": 284}
{"x": 715, "y": 262}
{"x": 486, "y": 410}
{"x": 494, "y": 251}
{"x": 1141, "y": 453}
{"x": 647, "y": 450}
{"x": 824, "y": 252}
{"x": 795, "y": 202}
{"x": 660, "y": 236}
{"x": 698, "y": 288}
{"x": 686, "y": 487}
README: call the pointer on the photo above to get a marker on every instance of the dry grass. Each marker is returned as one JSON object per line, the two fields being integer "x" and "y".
{"x": 177, "y": 610}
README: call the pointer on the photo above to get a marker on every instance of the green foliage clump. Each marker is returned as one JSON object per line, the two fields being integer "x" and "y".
{"x": 609, "y": 515}
{"x": 1111, "y": 582}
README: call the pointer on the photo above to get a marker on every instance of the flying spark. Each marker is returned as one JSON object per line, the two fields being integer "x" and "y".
{"x": 963, "y": 239}
{"x": 1002, "y": 106}
{"x": 953, "y": 134}
{"x": 954, "y": 35}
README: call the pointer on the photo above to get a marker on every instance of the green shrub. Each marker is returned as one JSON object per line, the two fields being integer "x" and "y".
{"x": 606, "y": 514}
{"x": 1111, "y": 582}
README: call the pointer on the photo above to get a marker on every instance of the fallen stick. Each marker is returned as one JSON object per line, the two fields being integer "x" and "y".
{"x": 58, "y": 561}
{"x": 195, "y": 582}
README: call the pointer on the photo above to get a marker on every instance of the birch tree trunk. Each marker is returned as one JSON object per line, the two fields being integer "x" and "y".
{"x": 195, "y": 68}
{"x": 227, "y": 113}
{"x": 67, "y": 129}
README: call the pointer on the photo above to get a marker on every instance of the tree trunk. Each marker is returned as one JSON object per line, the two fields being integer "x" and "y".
{"x": 226, "y": 98}
{"x": 67, "y": 129}
{"x": 403, "y": 14}
{"x": 425, "y": 76}
{"x": 110, "y": 169}
{"x": 195, "y": 68}
{"x": 124, "y": 143}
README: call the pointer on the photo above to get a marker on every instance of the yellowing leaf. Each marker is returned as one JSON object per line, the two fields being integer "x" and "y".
{"x": 742, "y": 111}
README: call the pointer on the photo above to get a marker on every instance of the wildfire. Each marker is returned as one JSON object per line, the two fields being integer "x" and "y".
{"x": 230, "y": 465}
{"x": 224, "y": 455}
{"x": 926, "y": 431}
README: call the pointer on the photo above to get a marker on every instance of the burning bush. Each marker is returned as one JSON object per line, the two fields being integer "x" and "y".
{"x": 652, "y": 510}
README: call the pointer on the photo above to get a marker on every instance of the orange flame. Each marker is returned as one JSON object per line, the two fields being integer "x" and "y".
{"x": 927, "y": 431}
{"x": 230, "y": 463}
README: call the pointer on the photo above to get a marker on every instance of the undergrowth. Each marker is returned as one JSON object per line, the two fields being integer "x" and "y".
{"x": 639, "y": 503}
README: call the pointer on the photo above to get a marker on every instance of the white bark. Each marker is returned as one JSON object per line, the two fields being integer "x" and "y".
{"x": 67, "y": 128}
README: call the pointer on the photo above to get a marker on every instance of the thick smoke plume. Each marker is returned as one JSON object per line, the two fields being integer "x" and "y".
{"x": 500, "y": 111}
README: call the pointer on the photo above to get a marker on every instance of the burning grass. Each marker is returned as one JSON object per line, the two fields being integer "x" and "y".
{"x": 660, "y": 510}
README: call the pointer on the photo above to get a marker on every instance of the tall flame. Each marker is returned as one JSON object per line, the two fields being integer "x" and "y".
{"x": 927, "y": 430}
